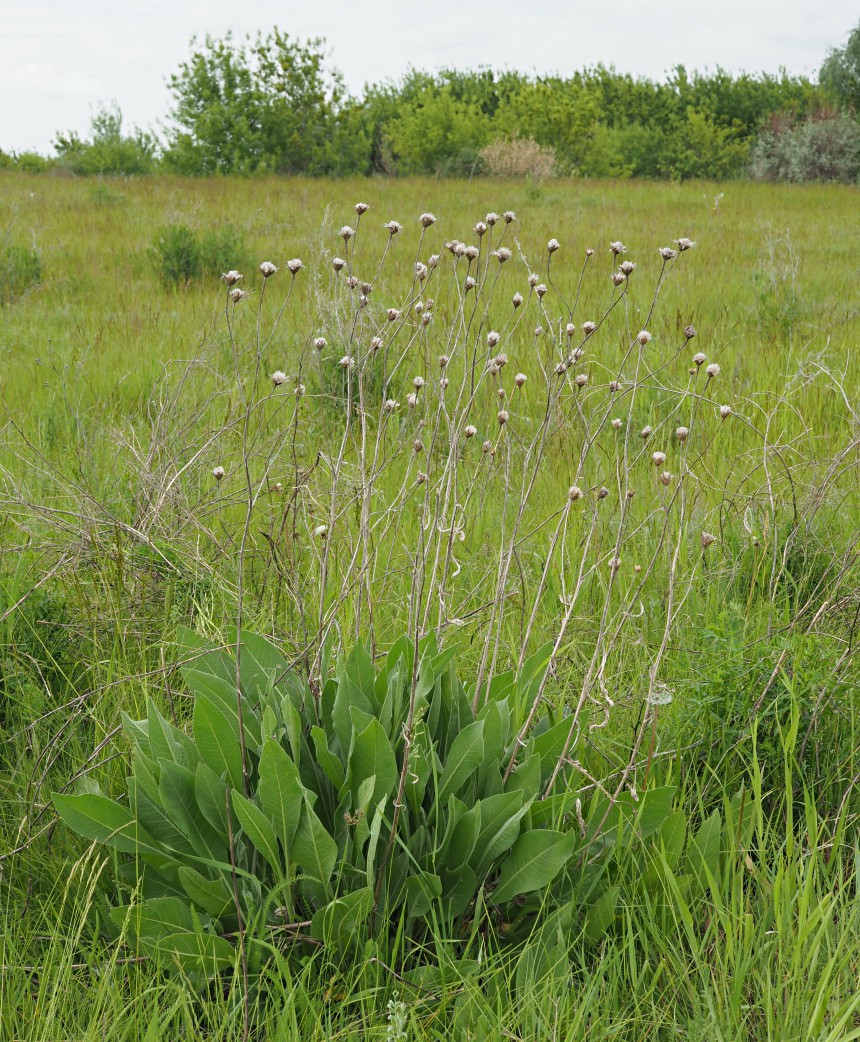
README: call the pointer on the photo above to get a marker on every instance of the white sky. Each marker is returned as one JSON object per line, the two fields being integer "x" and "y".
{"x": 59, "y": 59}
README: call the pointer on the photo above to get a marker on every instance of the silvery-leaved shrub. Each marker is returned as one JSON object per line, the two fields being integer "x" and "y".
{"x": 289, "y": 813}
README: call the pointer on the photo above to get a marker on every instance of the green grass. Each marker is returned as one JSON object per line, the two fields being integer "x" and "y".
{"x": 105, "y": 546}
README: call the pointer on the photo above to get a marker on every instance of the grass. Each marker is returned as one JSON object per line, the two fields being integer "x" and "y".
{"x": 121, "y": 394}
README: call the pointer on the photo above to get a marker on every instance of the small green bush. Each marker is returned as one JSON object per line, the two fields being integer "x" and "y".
{"x": 816, "y": 150}
{"x": 301, "y": 810}
{"x": 180, "y": 255}
{"x": 20, "y": 268}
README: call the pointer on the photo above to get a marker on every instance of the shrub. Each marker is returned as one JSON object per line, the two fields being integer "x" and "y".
{"x": 20, "y": 268}
{"x": 826, "y": 149}
{"x": 519, "y": 157}
{"x": 383, "y": 805}
{"x": 180, "y": 255}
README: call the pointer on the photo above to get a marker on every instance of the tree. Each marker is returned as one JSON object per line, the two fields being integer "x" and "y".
{"x": 840, "y": 71}
{"x": 109, "y": 150}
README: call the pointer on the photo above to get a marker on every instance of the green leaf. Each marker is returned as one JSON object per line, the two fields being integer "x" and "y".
{"x": 331, "y": 766}
{"x": 218, "y": 745}
{"x": 655, "y": 806}
{"x": 359, "y": 669}
{"x": 210, "y": 794}
{"x": 177, "y": 789}
{"x": 337, "y": 923}
{"x": 98, "y": 818}
{"x": 210, "y": 895}
{"x": 535, "y": 860}
{"x": 223, "y": 694}
{"x": 601, "y": 915}
{"x": 422, "y": 889}
{"x": 198, "y": 952}
{"x": 315, "y": 852}
{"x": 549, "y": 746}
{"x": 464, "y": 757}
{"x": 463, "y": 838}
{"x": 156, "y": 918}
{"x": 258, "y": 829}
{"x": 372, "y": 755}
{"x": 280, "y": 792}
{"x": 703, "y": 854}
{"x": 347, "y": 696}
{"x": 459, "y": 888}
{"x": 500, "y": 825}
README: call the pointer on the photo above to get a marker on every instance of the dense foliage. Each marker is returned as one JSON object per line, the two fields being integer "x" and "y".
{"x": 274, "y": 105}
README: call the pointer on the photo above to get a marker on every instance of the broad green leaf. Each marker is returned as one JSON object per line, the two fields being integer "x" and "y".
{"x": 464, "y": 756}
{"x": 422, "y": 889}
{"x": 159, "y": 917}
{"x": 218, "y": 745}
{"x": 176, "y": 787}
{"x": 258, "y": 829}
{"x": 550, "y": 744}
{"x": 347, "y": 696}
{"x": 673, "y": 834}
{"x": 501, "y": 817}
{"x": 280, "y": 792}
{"x": 331, "y": 765}
{"x": 339, "y": 923}
{"x": 138, "y": 731}
{"x": 463, "y": 839}
{"x": 199, "y": 952}
{"x": 458, "y": 891}
{"x": 534, "y": 861}
{"x": 152, "y": 817}
{"x": 526, "y": 778}
{"x": 99, "y": 818}
{"x": 315, "y": 852}
{"x": 373, "y": 841}
{"x": 223, "y": 694}
{"x": 359, "y": 668}
{"x": 210, "y": 794}
{"x": 601, "y": 914}
{"x": 202, "y": 657}
{"x": 655, "y": 806}
{"x": 212, "y": 896}
{"x": 703, "y": 853}
{"x": 372, "y": 755}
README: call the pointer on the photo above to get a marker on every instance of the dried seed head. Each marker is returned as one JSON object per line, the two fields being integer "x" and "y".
{"x": 581, "y": 379}
{"x": 218, "y": 473}
{"x": 617, "y": 278}
{"x": 517, "y": 299}
{"x": 267, "y": 269}
{"x": 443, "y": 383}
{"x": 493, "y": 368}
{"x": 426, "y": 220}
{"x": 472, "y": 253}
{"x": 412, "y": 399}
{"x": 501, "y": 392}
{"x": 645, "y": 433}
{"x": 538, "y": 330}
{"x": 320, "y": 343}
{"x": 338, "y": 263}
{"x": 627, "y": 268}
{"x": 699, "y": 358}
{"x": 707, "y": 540}
{"x": 615, "y": 564}
{"x": 393, "y": 314}
{"x": 443, "y": 361}
{"x": 361, "y": 208}
{"x": 237, "y": 295}
{"x": 390, "y": 405}
{"x": 294, "y": 266}
{"x": 375, "y": 343}
{"x": 492, "y": 338}
{"x": 363, "y": 300}
{"x": 689, "y": 331}
{"x": 321, "y": 532}
{"x": 418, "y": 383}
{"x": 419, "y": 307}
{"x": 602, "y": 492}
{"x": 589, "y": 327}
{"x": 346, "y": 233}
{"x": 589, "y": 252}
{"x": 508, "y": 216}
{"x": 300, "y": 391}
{"x": 421, "y": 477}
{"x": 279, "y": 378}
{"x": 614, "y": 385}
{"x": 713, "y": 370}
{"x": 667, "y": 253}
{"x": 520, "y": 379}
{"x": 684, "y": 244}
{"x": 491, "y": 218}
{"x": 576, "y": 354}
{"x": 541, "y": 290}
{"x": 533, "y": 279}
{"x": 393, "y": 227}
{"x": 570, "y": 329}
{"x": 561, "y": 368}
{"x": 682, "y": 433}
{"x": 421, "y": 270}
{"x": 617, "y": 247}
{"x": 725, "y": 412}
{"x": 501, "y": 359}
{"x": 231, "y": 277}
{"x": 503, "y": 254}
{"x": 480, "y": 228}
{"x": 637, "y": 568}
{"x": 432, "y": 260}
{"x": 347, "y": 362}
{"x": 616, "y": 424}
{"x": 692, "y": 370}
{"x": 631, "y": 492}
{"x": 658, "y": 458}
{"x": 352, "y": 281}
{"x": 502, "y": 416}
{"x": 470, "y": 431}
{"x": 469, "y": 283}
{"x": 665, "y": 477}
{"x": 643, "y": 337}
{"x": 277, "y": 487}
{"x": 487, "y": 446}
{"x": 553, "y": 245}
{"x": 574, "y": 493}
{"x": 417, "y": 446}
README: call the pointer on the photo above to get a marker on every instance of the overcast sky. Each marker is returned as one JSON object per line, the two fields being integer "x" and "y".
{"x": 60, "y": 59}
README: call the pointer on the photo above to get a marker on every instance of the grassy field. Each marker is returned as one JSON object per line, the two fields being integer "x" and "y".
{"x": 683, "y": 538}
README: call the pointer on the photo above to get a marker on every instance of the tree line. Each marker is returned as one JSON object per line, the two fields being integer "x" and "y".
{"x": 272, "y": 105}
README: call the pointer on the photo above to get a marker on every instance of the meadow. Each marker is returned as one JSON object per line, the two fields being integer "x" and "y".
{"x": 547, "y": 441}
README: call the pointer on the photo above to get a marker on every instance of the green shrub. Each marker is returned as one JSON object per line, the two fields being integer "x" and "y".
{"x": 302, "y": 811}
{"x": 817, "y": 150}
{"x": 20, "y": 268}
{"x": 180, "y": 255}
